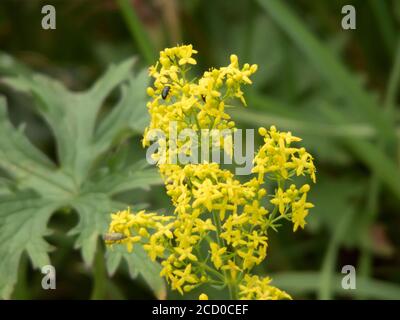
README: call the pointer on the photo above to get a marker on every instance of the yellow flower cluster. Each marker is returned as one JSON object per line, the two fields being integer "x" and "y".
{"x": 279, "y": 157}
{"x": 219, "y": 229}
{"x": 192, "y": 105}
{"x": 205, "y": 191}
{"x": 279, "y": 160}
{"x": 255, "y": 288}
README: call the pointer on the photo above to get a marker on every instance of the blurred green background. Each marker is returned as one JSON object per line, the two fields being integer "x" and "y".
{"x": 77, "y": 156}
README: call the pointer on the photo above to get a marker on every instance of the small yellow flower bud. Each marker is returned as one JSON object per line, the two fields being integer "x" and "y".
{"x": 188, "y": 288}
{"x": 234, "y": 58}
{"x": 203, "y": 296}
{"x": 143, "y": 232}
{"x": 165, "y": 62}
{"x": 305, "y": 188}
{"x": 261, "y": 193}
{"x": 253, "y": 68}
{"x": 150, "y": 91}
{"x": 262, "y": 131}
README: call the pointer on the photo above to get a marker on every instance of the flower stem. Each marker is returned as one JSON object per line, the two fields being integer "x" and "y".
{"x": 231, "y": 283}
{"x": 232, "y": 286}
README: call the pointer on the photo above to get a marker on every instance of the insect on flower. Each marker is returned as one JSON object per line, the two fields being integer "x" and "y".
{"x": 165, "y": 91}
{"x": 114, "y": 236}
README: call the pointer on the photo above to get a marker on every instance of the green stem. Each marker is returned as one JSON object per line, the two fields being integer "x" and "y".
{"x": 213, "y": 271}
{"x": 137, "y": 31}
{"x": 231, "y": 283}
{"x": 100, "y": 277}
{"x": 274, "y": 212}
{"x": 385, "y": 24}
{"x": 329, "y": 262}
{"x": 231, "y": 291}
{"x": 217, "y": 221}
{"x": 279, "y": 218}
{"x": 393, "y": 85}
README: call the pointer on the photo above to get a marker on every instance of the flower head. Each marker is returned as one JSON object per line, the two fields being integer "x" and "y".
{"x": 219, "y": 228}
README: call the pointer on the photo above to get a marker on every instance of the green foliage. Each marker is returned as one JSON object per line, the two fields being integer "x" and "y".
{"x": 339, "y": 213}
{"x": 34, "y": 187}
{"x": 301, "y": 282}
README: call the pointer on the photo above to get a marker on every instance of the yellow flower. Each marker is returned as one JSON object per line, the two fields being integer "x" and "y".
{"x": 232, "y": 267}
{"x": 300, "y": 211}
{"x": 154, "y": 249}
{"x": 205, "y": 193}
{"x": 281, "y": 200}
{"x": 168, "y": 269}
{"x": 182, "y": 277}
{"x": 185, "y": 253}
{"x": 216, "y": 254}
{"x": 185, "y": 54}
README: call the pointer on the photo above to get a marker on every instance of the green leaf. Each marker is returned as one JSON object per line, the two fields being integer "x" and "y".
{"x": 123, "y": 116}
{"x": 5, "y": 186}
{"x": 372, "y": 156}
{"x": 307, "y": 282}
{"x": 23, "y": 224}
{"x": 302, "y": 126}
{"x": 326, "y": 214}
{"x": 329, "y": 67}
{"x": 385, "y": 24}
{"x": 27, "y": 165}
{"x": 10, "y": 66}
{"x": 329, "y": 262}
{"x": 137, "y": 175}
{"x": 307, "y": 125}
{"x": 72, "y": 116}
{"x": 34, "y": 186}
{"x": 94, "y": 211}
{"x": 148, "y": 269}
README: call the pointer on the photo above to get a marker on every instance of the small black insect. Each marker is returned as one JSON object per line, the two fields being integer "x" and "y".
{"x": 165, "y": 91}
{"x": 203, "y": 97}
